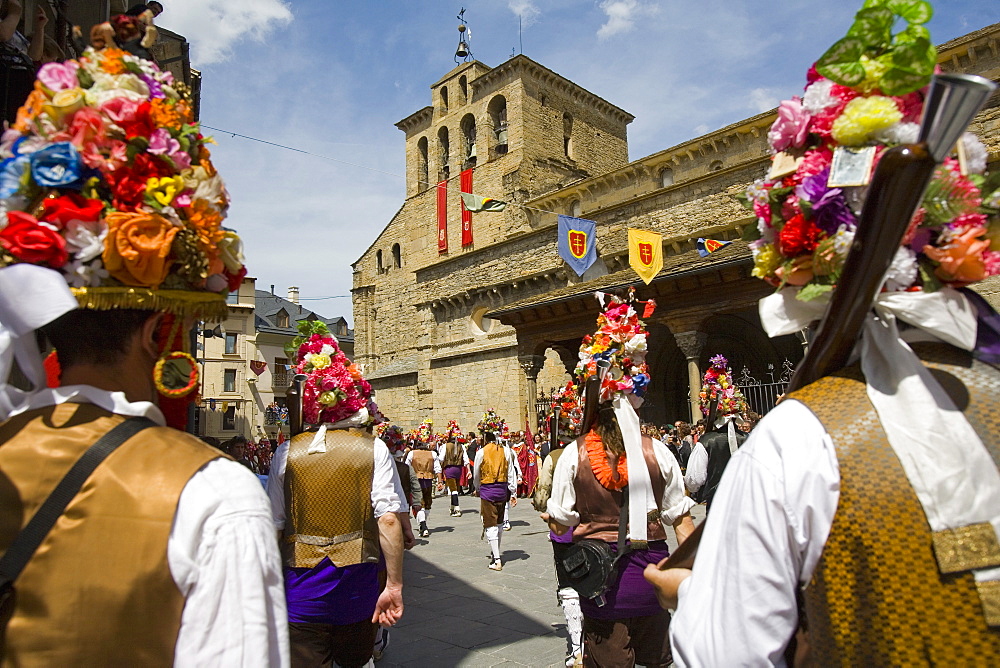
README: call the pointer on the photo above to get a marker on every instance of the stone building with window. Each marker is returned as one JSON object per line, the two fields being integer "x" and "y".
{"x": 450, "y": 323}
{"x": 245, "y": 367}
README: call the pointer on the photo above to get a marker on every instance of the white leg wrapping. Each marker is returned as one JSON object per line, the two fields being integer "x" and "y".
{"x": 569, "y": 599}
{"x": 421, "y": 515}
{"x": 493, "y": 535}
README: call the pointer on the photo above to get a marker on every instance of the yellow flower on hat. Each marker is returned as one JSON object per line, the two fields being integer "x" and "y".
{"x": 320, "y": 361}
{"x": 164, "y": 189}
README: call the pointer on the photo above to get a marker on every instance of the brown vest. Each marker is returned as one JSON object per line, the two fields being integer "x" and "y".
{"x": 328, "y": 501}
{"x": 98, "y": 592}
{"x": 423, "y": 464}
{"x": 493, "y": 467}
{"x": 600, "y": 507}
{"x": 877, "y": 596}
{"x": 453, "y": 455}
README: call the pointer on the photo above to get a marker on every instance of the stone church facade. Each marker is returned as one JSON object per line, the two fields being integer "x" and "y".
{"x": 448, "y": 334}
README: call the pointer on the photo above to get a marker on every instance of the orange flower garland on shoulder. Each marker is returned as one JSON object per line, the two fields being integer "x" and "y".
{"x": 599, "y": 463}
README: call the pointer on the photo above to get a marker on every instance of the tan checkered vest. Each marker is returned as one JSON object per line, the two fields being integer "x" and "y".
{"x": 98, "y": 592}
{"x": 878, "y": 596}
{"x": 328, "y": 507}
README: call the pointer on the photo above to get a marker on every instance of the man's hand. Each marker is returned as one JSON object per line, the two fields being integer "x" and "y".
{"x": 554, "y": 527}
{"x": 389, "y": 607}
{"x": 408, "y": 538}
{"x": 41, "y": 19}
{"x": 513, "y": 501}
{"x": 666, "y": 583}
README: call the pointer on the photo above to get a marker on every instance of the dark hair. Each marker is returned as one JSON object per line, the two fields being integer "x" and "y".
{"x": 83, "y": 336}
{"x": 489, "y": 437}
{"x": 684, "y": 430}
{"x": 609, "y": 431}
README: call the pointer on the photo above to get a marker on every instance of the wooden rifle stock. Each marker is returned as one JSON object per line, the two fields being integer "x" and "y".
{"x": 294, "y": 399}
{"x": 591, "y": 396}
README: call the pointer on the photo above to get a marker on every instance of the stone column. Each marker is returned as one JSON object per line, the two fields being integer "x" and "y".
{"x": 691, "y": 344}
{"x": 531, "y": 365}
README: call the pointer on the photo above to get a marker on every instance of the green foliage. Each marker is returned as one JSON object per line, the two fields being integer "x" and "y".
{"x": 895, "y": 64}
{"x": 751, "y": 232}
{"x": 946, "y": 198}
{"x": 306, "y": 329}
{"x": 813, "y": 290}
{"x": 928, "y": 278}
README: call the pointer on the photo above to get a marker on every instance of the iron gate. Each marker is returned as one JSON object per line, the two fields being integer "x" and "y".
{"x": 763, "y": 396}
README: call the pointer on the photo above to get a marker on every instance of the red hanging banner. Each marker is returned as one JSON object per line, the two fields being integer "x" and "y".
{"x": 442, "y": 210}
{"x": 465, "y": 183}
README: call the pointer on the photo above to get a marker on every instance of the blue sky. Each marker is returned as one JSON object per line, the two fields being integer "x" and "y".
{"x": 331, "y": 77}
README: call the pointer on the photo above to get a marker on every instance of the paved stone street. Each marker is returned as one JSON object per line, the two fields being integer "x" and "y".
{"x": 460, "y": 613}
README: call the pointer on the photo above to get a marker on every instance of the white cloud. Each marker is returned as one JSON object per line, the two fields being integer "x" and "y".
{"x": 763, "y": 99}
{"x": 621, "y": 16}
{"x": 526, "y": 9}
{"x": 213, "y": 30}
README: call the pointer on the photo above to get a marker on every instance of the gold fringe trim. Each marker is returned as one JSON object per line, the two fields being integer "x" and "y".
{"x": 966, "y": 548}
{"x": 183, "y": 303}
{"x": 989, "y": 596}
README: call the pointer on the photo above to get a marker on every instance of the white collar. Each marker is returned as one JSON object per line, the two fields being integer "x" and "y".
{"x": 114, "y": 402}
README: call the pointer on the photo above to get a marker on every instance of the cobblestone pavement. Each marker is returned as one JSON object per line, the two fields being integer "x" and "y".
{"x": 460, "y": 613}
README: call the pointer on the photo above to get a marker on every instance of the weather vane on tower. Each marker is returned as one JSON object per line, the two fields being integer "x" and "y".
{"x": 463, "y": 53}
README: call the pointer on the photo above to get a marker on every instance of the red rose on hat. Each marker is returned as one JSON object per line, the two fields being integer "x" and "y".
{"x": 30, "y": 242}
{"x": 61, "y": 210}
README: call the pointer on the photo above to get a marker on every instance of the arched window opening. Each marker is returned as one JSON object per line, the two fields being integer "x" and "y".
{"x": 445, "y": 151}
{"x": 715, "y": 166}
{"x": 498, "y": 118}
{"x": 567, "y": 135}
{"x": 422, "y": 164}
{"x": 378, "y": 261}
{"x": 469, "y": 137}
{"x": 463, "y": 89}
{"x": 666, "y": 177}
{"x": 575, "y": 208}
{"x": 396, "y": 257}
{"x": 444, "y": 99}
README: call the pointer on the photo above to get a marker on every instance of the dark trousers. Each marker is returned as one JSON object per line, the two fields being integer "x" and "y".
{"x": 316, "y": 645}
{"x": 626, "y": 642}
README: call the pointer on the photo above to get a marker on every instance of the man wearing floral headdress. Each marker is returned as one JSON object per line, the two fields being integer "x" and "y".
{"x": 111, "y": 247}
{"x": 496, "y": 484}
{"x": 427, "y": 465}
{"x": 335, "y": 494}
{"x": 453, "y": 461}
{"x": 864, "y": 508}
{"x": 723, "y": 405}
{"x": 624, "y": 625}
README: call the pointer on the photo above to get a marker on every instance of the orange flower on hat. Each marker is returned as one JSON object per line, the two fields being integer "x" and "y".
{"x": 137, "y": 248}
{"x": 167, "y": 114}
{"x": 206, "y": 220}
{"x": 960, "y": 261}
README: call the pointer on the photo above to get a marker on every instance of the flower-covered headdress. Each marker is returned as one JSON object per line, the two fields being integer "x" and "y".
{"x": 567, "y": 399}
{"x": 864, "y": 95}
{"x": 621, "y": 340}
{"x": 717, "y": 386}
{"x": 334, "y": 389}
{"x": 106, "y": 179}
{"x": 425, "y": 431}
{"x": 493, "y": 423}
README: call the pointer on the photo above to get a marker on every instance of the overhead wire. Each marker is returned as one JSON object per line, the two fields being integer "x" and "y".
{"x": 352, "y": 164}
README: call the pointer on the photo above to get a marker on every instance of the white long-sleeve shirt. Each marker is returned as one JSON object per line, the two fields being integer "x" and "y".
{"x": 771, "y": 517}
{"x": 697, "y": 468}
{"x": 562, "y": 503}
{"x": 221, "y": 552}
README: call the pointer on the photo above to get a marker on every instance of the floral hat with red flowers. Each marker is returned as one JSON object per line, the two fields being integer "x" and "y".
{"x": 866, "y": 94}
{"x": 567, "y": 400}
{"x": 492, "y": 422}
{"x": 717, "y": 386}
{"x": 334, "y": 389}
{"x": 105, "y": 178}
{"x": 620, "y": 340}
